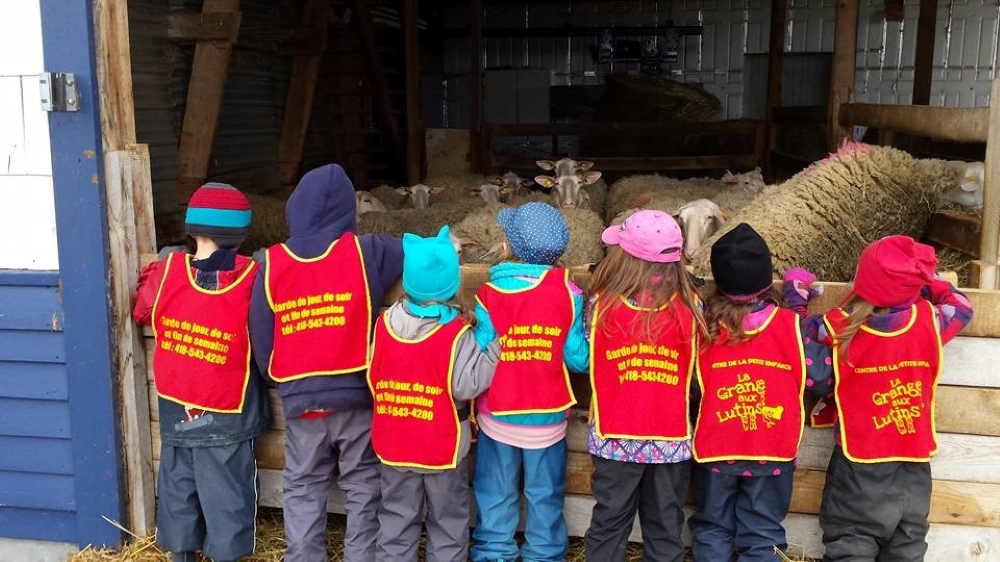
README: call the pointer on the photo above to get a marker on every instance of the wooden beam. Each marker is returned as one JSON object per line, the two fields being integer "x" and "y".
{"x": 203, "y": 105}
{"x": 775, "y": 63}
{"x": 414, "y": 130}
{"x": 807, "y": 113}
{"x": 203, "y": 27}
{"x": 845, "y": 46}
{"x": 129, "y": 196}
{"x": 380, "y": 89}
{"x": 947, "y": 123}
{"x": 956, "y": 231}
{"x": 923, "y": 59}
{"x": 731, "y": 127}
{"x": 476, "y": 148}
{"x": 301, "y": 93}
{"x": 985, "y": 270}
{"x": 651, "y": 163}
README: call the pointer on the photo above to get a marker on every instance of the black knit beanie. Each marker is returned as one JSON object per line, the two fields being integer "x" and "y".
{"x": 741, "y": 263}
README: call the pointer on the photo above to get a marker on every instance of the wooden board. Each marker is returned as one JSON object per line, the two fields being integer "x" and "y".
{"x": 956, "y": 231}
{"x": 945, "y": 123}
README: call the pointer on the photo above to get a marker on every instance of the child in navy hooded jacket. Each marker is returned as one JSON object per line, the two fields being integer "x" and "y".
{"x": 315, "y": 346}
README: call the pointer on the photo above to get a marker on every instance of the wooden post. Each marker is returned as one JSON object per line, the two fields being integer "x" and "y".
{"x": 203, "y": 105}
{"x": 414, "y": 132}
{"x": 845, "y": 47}
{"x": 985, "y": 269}
{"x": 775, "y": 63}
{"x": 380, "y": 89}
{"x": 923, "y": 60}
{"x": 129, "y": 195}
{"x": 476, "y": 86}
{"x": 301, "y": 92}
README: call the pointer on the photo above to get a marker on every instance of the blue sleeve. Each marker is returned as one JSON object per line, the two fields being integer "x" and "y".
{"x": 261, "y": 323}
{"x": 819, "y": 366}
{"x": 484, "y": 331}
{"x": 576, "y": 352}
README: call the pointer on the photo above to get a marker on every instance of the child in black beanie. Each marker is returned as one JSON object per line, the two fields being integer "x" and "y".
{"x": 751, "y": 377}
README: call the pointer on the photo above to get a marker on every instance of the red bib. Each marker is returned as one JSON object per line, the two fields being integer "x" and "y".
{"x": 751, "y": 395}
{"x": 885, "y": 388}
{"x": 532, "y": 323}
{"x": 202, "y": 357}
{"x": 415, "y": 423}
{"x": 640, "y": 384}
{"x": 322, "y": 311}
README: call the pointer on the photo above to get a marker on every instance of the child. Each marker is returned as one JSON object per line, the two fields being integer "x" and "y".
{"x": 211, "y": 405}
{"x": 311, "y": 315}
{"x": 751, "y": 380}
{"x": 644, "y": 326}
{"x": 878, "y": 483}
{"x": 422, "y": 435}
{"x": 536, "y": 311}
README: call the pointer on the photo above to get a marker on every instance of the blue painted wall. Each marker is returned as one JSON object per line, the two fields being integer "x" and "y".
{"x": 60, "y": 467}
{"x": 37, "y": 488}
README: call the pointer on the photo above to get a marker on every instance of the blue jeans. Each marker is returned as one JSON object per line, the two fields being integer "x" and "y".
{"x": 497, "y": 484}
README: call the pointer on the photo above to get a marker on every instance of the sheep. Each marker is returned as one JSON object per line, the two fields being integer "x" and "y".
{"x": 419, "y": 194}
{"x": 752, "y": 181}
{"x": 825, "y": 215}
{"x": 732, "y": 193}
{"x": 572, "y": 180}
{"x": 488, "y": 192}
{"x": 482, "y": 237}
{"x": 511, "y": 185}
{"x": 969, "y": 191}
{"x": 699, "y": 219}
{"x": 365, "y": 202}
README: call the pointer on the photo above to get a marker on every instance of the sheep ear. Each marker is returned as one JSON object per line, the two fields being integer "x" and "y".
{"x": 545, "y": 181}
{"x": 546, "y": 164}
{"x": 584, "y": 165}
{"x": 402, "y": 190}
{"x": 495, "y": 180}
{"x": 591, "y": 177}
{"x": 719, "y": 216}
{"x": 527, "y": 183}
{"x": 436, "y": 190}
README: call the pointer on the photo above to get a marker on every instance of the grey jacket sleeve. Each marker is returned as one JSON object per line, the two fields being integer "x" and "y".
{"x": 473, "y": 371}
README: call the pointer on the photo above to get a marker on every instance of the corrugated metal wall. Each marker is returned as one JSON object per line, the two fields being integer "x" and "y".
{"x": 965, "y": 54}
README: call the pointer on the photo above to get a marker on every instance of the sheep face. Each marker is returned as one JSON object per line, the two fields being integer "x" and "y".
{"x": 700, "y": 219}
{"x": 489, "y": 192}
{"x": 420, "y": 194}
{"x": 752, "y": 181}
{"x": 510, "y": 185}
{"x": 368, "y": 203}
{"x": 969, "y": 193}
{"x": 570, "y": 176}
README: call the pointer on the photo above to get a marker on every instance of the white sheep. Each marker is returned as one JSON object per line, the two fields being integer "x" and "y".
{"x": 969, "y": 191}
{"x": 366, "y": 202}
{"x": 488, "y": 192}
{"x": 699, "y": 219}
{"x": 574, "y": 184}
{"x": 511, "y": 185}
{"x": 419, "y": 194}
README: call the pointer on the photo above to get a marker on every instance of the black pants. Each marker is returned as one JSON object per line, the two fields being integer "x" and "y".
{"x": 656, "y": 491}
{"x": 875, "y": 512}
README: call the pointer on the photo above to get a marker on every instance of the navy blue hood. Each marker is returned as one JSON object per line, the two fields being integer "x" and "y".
{"x": 320, "y": 210}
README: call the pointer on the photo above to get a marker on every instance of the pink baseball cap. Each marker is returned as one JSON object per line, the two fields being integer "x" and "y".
{"x": 648, "y": 235}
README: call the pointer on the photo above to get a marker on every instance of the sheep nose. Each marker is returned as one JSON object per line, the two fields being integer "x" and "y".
{"x": 569, "y": 204}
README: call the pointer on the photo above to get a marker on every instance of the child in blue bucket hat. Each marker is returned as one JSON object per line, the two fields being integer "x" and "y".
{"x": 422, "y": 435}
{"x": 532, "y": 308}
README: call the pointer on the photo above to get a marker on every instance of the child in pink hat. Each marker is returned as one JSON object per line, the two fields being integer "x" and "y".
{"x": 644, "y": 325}
{"x": 886, "y": 340}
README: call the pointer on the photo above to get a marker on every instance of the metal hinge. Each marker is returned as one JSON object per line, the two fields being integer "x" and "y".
{"x": 58, "y": 91}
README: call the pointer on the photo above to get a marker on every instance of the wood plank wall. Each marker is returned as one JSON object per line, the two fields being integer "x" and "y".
{"x": 964, "y": 506}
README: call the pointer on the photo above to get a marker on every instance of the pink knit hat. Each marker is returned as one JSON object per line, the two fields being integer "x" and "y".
{"x": 893, "y": 270}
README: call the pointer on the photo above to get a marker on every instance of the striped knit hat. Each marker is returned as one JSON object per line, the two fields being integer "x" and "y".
{"x": 220, "y": 212}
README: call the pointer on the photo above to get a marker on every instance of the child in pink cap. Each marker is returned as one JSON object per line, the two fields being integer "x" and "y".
{"x": 644, "y": 325}
{"x": 886, "y": 340}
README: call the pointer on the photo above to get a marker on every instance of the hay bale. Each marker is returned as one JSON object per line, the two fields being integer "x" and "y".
{"x": 268, "y": 226}
{"x": 825, "y": 215}
{"x": 655, "y": 99}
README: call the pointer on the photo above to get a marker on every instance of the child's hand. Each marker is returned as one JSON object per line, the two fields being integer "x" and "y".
{"x": 802, "y": 280}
